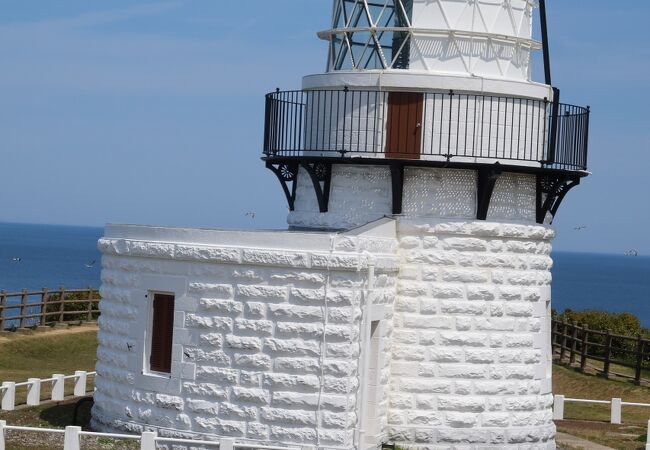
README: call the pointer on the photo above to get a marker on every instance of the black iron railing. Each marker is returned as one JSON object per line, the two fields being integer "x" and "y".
{"x": 429, "y": 126}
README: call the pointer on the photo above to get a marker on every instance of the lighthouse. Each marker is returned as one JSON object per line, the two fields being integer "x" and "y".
{"x": 409, "y": 301}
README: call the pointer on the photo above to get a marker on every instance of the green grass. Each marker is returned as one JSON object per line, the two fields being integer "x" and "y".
{"x": 41, "y": 355}
{"x": 573, "y": 384}
{"x": 44, "y": 354}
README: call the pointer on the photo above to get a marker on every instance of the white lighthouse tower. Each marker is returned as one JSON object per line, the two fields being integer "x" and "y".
{"x": 408, "y": 304}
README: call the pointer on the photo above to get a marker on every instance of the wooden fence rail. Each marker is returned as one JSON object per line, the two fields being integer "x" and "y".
{"x": 32, "y": 308}
{"x": 572, "y": 341}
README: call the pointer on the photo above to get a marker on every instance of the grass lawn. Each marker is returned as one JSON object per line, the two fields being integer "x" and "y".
{"x": 573, "y": 384}
{"x": 42, "y": 354}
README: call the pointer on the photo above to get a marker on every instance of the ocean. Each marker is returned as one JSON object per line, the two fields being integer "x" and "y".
{"x": 38, "y": 256}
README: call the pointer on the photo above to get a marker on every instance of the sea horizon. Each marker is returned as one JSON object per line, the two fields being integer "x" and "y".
{"x": 54, "y": 255}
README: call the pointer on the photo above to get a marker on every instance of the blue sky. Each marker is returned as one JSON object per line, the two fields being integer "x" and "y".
{"x": 152, "y": 112}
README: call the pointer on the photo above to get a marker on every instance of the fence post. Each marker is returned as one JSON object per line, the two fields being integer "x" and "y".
{"x": 226, "y": 444}
{"x": 574, "y": 343}
{"x": 647, "y": 445}
{"x": 616, "y": 411}
{"x": 44, "y": 298}
{"x": 89, "y": 317}
{"x": 71, "y": 438}
{"x": 9, "y": 396}
{"x": 3, "y": 303}
{"x": 61, "y": 305}
{"x": 3, "y": 424}
{"x": 23, "y": 307}
{"x": 34, "y": 392}
{"x": 58, "y": 387}
{"x": 639, "y": 360}
{"x": 148, "y": 441}
{"x": 563, "y": 341}
{"x": 558, "y": 407}
{"x": 80, "y": 383}
{"x": 608, "y": 353}
{"x": 583, "y": 348}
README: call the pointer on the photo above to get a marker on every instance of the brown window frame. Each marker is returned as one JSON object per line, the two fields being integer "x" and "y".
{"x": 162, "y": 332}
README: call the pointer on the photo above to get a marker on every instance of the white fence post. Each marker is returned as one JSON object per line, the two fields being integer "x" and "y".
{"x": 558, "y": 407}
{"x": 647, "y": 445}
{"x": 148, "y": 441}
{"x": 80, "y": 382}
{"x": 8, "y": 396}
{"x": 71, "y": 438}
{"x": 3, "y": 424}
{"x": 616, "y": 411}
{"x": 226, "y": 444}
{"x": 58, "y": 387}
{"x": 34, "y": 392}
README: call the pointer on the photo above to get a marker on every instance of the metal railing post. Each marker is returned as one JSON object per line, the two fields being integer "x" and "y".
{"x": 555, "y": 113}
{"x": 8, "y": 396}
{"x": 71, "y": 438}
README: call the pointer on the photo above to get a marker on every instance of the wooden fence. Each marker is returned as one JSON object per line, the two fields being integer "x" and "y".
{"x": 577, "y": 344}
{"x": 33, "y": 308}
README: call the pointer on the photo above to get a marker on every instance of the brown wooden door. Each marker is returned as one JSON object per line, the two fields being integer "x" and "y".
{"x": 404, "y": 125}
{"x": 162, "y": 329}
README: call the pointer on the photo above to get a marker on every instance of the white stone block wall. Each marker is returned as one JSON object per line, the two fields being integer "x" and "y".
{"x": 266, "y": 339}
{"x": 471, "y": 345}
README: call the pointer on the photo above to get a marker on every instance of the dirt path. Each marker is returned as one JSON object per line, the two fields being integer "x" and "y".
{"x": 55, "y": 331}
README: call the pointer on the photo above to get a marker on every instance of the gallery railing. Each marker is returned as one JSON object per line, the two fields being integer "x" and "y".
{"x": 448, "y": 126}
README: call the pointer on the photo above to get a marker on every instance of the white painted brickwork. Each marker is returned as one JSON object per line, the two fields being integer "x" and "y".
{"x": 266, "y": 340}
{"x": 470, "y": 343}
{"x": 272, "y": 328}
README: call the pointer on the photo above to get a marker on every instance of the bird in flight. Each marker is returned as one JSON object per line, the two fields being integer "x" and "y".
{"x": 632, "y": 253}
{"x": 17, "y": 259}
{"x": 250, "y": 214}
{"x": 580, "y": 228}
{"x": 91, "y": 264}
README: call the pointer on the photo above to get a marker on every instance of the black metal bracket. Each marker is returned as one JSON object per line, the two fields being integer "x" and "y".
{"x": 551, "y": 191}
{"x": 321, "y": 177}
{"x": 397, "y": 181}
{"x": 487, "y": 179}
{"x": 286, "y": 173}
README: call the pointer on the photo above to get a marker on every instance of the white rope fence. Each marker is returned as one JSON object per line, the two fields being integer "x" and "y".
{"x": 33, "y": 385}
{"x": 148, "y": 440}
